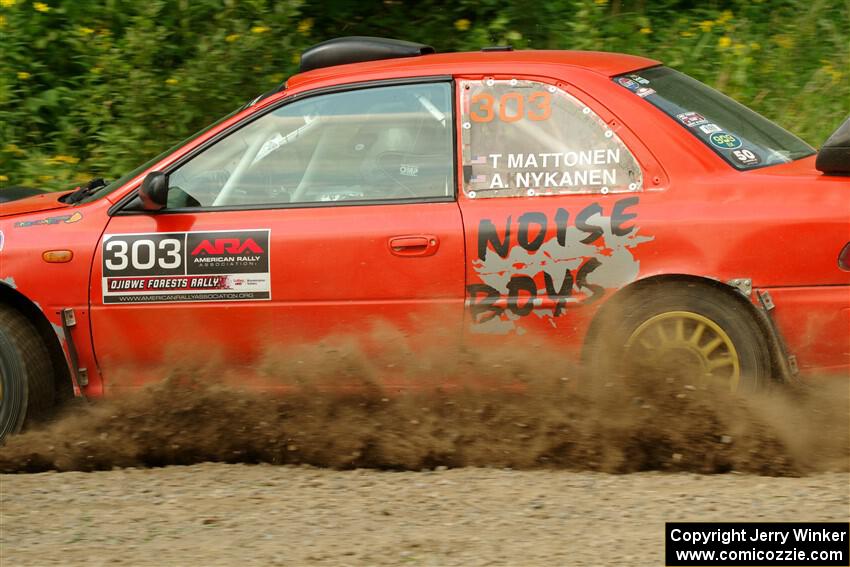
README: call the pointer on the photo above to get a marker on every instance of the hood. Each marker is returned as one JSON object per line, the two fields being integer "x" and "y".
{"x": 43, "y": 202}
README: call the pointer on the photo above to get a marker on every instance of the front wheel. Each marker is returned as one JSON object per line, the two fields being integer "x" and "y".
{"x": 26, "y": 372}
{"x": 689, "y": 329}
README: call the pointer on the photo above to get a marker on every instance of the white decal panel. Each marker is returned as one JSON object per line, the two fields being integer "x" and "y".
{"x": 160, "y": 267}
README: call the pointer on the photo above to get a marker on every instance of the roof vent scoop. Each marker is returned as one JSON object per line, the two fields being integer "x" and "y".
{"x": 356, "y": 49}
{"x": 834, "y": 156}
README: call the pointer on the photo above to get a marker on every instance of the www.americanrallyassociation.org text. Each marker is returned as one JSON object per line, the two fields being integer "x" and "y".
{"x": 726, "y": 536}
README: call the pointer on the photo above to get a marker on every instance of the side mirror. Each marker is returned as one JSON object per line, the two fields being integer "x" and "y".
{"x": 834, "y": 157}
{"x": 154, "y": 191}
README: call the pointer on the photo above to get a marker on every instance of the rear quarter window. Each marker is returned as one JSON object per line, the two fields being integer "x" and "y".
{"x": 742, "y": 137}
{"x": 526, "y": 139}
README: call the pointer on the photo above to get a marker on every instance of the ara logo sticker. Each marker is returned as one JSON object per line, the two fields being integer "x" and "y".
{"x": 61, "y": 219}
{"x": 691, "y": 119}
{"x": 725, "y": 141}
{"x": 746, "y": 157}
{"x": 220, "y": 246}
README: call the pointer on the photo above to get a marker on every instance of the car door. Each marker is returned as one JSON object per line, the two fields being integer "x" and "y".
{"x": 332, "y": 215}
{"x": 551, "y": 195}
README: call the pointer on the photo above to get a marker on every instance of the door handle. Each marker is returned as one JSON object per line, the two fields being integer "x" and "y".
{"x": 414, "y": 245}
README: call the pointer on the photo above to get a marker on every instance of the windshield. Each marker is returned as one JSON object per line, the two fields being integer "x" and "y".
{"x": 109, "y": 188}
{"x": 745, "y": 139}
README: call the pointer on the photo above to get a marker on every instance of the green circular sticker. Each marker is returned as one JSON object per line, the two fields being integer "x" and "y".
{"x": 725, "y": 140}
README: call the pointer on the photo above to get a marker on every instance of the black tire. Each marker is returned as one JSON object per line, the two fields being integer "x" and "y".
{"x": 26, "y": 373}
{"x": 620, "y": 330}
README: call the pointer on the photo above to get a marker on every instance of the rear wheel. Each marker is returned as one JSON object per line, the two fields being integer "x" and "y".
{"x": 692, "y": 330}
{"x": 26, "y": 372}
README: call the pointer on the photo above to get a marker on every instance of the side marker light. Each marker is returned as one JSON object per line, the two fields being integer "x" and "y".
{"x": 57, "y": 256}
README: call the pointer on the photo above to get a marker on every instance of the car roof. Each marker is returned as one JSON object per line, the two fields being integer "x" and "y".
{"x": 604, "y": 63}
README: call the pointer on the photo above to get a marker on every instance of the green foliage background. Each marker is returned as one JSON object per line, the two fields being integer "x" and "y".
{"x": 96, "y": 87}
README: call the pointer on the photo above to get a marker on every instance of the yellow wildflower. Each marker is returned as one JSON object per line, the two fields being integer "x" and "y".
{"x": 739, "y": 48}
{"x": 3, "y": 178}
{"x": 41, "y": 7}
{"x": 304, "y": 26}
{"x": 8, "y": 3}
{"x": 755, "y": 46}
{"x": 724, "y": 42}
{"x": 686, "y": 34}
{"x": 601, "y": 2}
{"x": 834, "y": 74}
{"x": 2, "y": 21}
{"x": 784, "y": 41}
{"x": 64, "y": 159}
{"x": 706, "y": 26}
{"x": 725, "y": 16}
{"x": 260, "y": 29}
{"x": 462, "y": 24}
{"x": 86, "y": 31}
{"x": 231, "y": 38}
{"x": 13, "y": 149}
{"x": 171, "y": 81}
{"x": 45, "y": 177}
{"x": 646, "y": 30}
{"x": 23, "y": 75}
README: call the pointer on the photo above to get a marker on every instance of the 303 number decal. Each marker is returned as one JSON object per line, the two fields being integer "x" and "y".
{"x": 120, "y": 255}
{"x": 511, "y": 107}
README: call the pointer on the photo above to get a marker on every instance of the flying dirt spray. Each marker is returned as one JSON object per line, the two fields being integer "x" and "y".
{"x": 522, "y": 408}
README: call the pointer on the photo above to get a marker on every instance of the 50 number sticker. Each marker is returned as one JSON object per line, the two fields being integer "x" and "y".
{"x": 746, "y": 157}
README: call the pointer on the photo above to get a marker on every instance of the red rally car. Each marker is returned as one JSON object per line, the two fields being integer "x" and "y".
{"x": 587, "y": 198}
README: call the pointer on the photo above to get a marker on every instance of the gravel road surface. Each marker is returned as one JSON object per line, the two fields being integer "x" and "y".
{"x": 220, "y": 514}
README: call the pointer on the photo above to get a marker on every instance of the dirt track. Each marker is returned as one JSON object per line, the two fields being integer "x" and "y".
{"x": 560, "y": 432}
{"x": 217, "y": 514}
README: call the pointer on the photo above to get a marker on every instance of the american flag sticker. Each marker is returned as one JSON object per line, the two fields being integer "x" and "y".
{"x": 479, "y": 179}
{"x": 478, "y": 160}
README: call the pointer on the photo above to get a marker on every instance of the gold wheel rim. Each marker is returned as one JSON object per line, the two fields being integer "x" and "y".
{"x": 700, "y": 339}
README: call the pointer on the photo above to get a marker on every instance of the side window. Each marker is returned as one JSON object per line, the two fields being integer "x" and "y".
{"x": 525, "y": 138}
{"x": 379, "y": 143}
